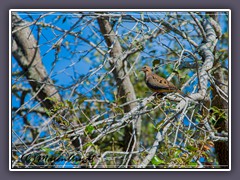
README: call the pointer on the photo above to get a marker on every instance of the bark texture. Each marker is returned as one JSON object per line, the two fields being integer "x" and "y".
{"x": 124, "y": 85}
{"x": 26, "y": 52}
{"x": 221, "y": 147}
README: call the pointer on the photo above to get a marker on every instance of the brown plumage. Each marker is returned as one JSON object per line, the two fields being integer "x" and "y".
{"x": 157, "y": 83}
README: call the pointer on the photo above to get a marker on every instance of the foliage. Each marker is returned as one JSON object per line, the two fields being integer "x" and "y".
{"x": 91, "y": 102}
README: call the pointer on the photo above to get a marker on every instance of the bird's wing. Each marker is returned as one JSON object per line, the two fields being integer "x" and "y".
{"x": 157, "y": 83}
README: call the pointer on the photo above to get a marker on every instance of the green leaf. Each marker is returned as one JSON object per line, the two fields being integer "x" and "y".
{"x": 69, "y": 104}
{"x": 85, "y": 146}
{"x": 159, "y": 124}
{"x": 198, "y": 120}
{"x": 156, "y": 161}
{"x": 89, "y": 129}
{"x": 176, "y": 153}
{"x": 48, "y": 150}
{"x": 189, "y": 132}
{"x": 191, "y": 148}
{"x": 47, "y": 112}
{"x": 81, "y": 99}
{"x": 193, "y": 164}
{"x": 156, "y": 62}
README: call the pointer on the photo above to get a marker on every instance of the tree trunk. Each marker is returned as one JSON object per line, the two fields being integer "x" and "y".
{"x": 221, "y": 147}
{"x": 26, "y": 52}
{"x": 124, "y": 85}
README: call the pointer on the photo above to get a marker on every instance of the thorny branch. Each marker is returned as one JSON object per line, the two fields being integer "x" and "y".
{"x": 89, "y": 115}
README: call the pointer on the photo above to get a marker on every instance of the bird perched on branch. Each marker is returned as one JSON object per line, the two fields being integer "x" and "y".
{"x": 157, "y": 83}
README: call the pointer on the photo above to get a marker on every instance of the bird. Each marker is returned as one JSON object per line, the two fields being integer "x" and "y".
{"x": 157, "y": 83}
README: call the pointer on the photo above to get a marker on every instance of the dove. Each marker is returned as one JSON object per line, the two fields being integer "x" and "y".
{"x": 157, "y": 83}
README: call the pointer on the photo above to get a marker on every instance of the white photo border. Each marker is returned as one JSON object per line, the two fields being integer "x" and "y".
{"x": 123, "y": 10}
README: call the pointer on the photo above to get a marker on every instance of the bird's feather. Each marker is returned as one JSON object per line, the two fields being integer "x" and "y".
{"x": 156, "y": 82}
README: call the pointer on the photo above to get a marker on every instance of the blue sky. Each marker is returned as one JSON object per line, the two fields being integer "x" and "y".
{"x": 69, "y": 67}
{"x": 75, "y": 61}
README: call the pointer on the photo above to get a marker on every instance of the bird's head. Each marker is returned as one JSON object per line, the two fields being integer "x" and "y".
{"x": 146, "y": 69}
